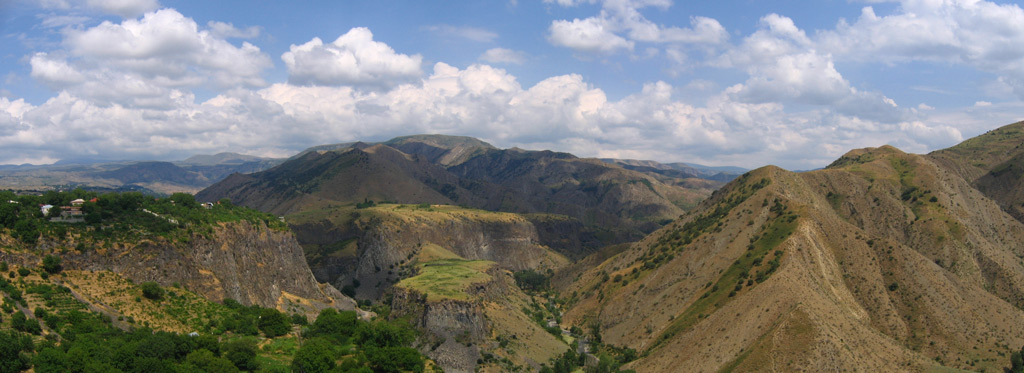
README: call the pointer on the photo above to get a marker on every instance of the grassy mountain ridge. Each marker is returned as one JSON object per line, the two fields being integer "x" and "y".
{"x": 441, "y": 149}
{"x": 885, "y": 260}
{"x": 346, "y": 176}
{"x": 992, "y": 162}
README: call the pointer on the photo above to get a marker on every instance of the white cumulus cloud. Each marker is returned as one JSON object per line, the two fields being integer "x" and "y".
{"x": 981, "y": 34}
{"x": 784, "y": 67}
{"x": 587, "y": 35}
{"x": 620, "y": 25}
{"x": 167, "y": 49}
{"x": 354, "y": 58}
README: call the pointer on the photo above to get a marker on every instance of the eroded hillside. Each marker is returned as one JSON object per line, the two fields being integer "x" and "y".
{"x": 882, "y": 261}
{"x": 993, "y": 163}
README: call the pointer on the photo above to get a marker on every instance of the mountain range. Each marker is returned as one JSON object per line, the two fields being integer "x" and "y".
{"x": 603, "y": 198}
{"x": 153, "y": 177}
{"x": 883, "y": 260}
{"x": 509, "y": 259}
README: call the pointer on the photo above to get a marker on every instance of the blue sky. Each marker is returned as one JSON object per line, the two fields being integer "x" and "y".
{"x": 747, "y": 83}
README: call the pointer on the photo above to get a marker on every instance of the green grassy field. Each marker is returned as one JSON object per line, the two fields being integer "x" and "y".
{"x": 447, "y": 278}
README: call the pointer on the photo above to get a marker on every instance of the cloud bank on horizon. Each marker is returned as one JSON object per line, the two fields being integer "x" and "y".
{"x": 647, "y": 79}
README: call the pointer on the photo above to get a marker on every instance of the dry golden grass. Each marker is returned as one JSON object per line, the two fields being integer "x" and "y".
{"x": 180, "y": 310}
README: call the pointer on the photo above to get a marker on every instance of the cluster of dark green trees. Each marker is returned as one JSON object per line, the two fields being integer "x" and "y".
{"x": 360, "y": 346}
{"x": 254, "y": 319}
{"x": 87, "y": 342}
{"x": 1017, "y": 361}
{"x": 82, "y": 341}
{"x": 608, "y": 361}
{"x": 530, "y": 280}
{"x": 119, "y": 215}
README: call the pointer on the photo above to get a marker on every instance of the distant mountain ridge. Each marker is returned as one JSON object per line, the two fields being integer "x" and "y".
{"x": 443, "y": 149}
{"x": 679, "y": 169}
{"x": 466, "y": 171}
{"x": 189, "y": 175}
{"x": 221, "y": 159}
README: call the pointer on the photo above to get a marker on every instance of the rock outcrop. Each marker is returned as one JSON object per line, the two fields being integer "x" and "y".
{"x": 247, "y": 262}
{"x": 453, "y": 329}
{"x": 387, "y": 238}
{"x": 460, "y": 333}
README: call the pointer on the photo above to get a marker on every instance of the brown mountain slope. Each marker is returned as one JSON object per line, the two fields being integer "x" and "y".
{"x": 614, "y": 204}
{"x": 441, "y": 149}
{"x": 884, "y": 261}
{"x": 587, "y": 189}
{"x": 346, "y": 176}
{"x": 993, "y": 163}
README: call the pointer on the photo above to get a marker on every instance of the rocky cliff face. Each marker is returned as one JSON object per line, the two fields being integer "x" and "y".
{"x": 458, "y": 333}
{"x": 453, "y": 329}
{"x": 388, "y": 238}
{"x": 243, "y": 261}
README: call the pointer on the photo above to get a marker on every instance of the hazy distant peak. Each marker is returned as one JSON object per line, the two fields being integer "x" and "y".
{"x": 441, "y": 141}
{"x": 220, "y": 158}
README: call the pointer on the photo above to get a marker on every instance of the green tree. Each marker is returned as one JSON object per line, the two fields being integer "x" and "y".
{"x": 184, "y": 200}
{"x": 242, "y": 353}
{"x": 93, "y": 213}
{"x": 316, "y": 355}
{"x": 152, "y": 365}
{"x": 384, "y": 334}
{"x": 54, "y": 212}
{"x": 273, "y": 323}
{"x": 530, "y": 280}
{"x": 335, "y": 325}
{"x": 205, "y": 361}
{"x": 27, "y": 230}
{"x": 394, "y": 359}
{"x": 12, "y": 351}
{"x": 51, "y": 359}
{"x": 152, "y": 290}
{"x": 159, "y": 345}
{"x": 52, "y": 264}
{"x": 8, "y": 213}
